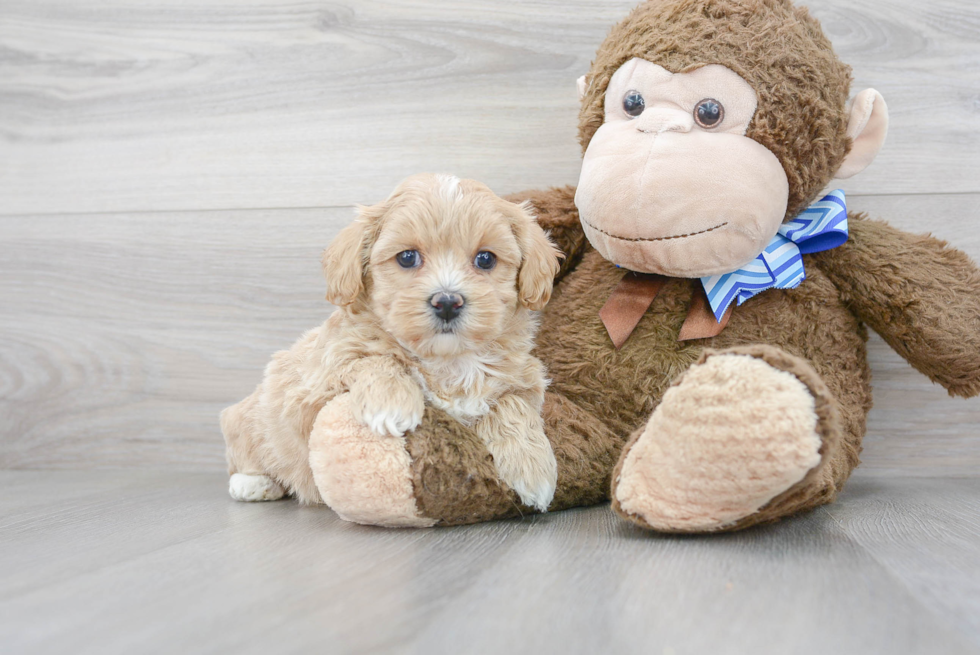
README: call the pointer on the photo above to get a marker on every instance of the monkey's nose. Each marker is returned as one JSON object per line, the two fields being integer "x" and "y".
{"x": 447, "y": 306}
{"x": 658, "y": 121}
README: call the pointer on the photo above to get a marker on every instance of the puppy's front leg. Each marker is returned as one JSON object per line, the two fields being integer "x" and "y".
{"x": 513, "y": 432}
{"x": 384, "y": 397}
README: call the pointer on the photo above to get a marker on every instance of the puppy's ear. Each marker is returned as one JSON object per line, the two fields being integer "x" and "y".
{"x": 345, "y": 259}
{"x": 539, "y": 262}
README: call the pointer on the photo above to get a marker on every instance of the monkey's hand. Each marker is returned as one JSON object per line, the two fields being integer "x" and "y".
{"x": 514, "y": 434}
{"x": 385, "y": 398}
{"x": 919, "y": 294}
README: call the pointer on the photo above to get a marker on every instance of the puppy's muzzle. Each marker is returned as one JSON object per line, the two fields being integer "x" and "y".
{"x": 447, "y": 306}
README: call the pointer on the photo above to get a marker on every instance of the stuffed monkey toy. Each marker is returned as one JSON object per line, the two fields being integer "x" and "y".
{"x": 706, "y": 336}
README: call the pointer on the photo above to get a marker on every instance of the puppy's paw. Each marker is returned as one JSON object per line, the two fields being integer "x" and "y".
{"x": 536, "y": 493}
{"x": 391, "y": 421}
{"x": 254, "y": 488}
{"x": 529, "y": 468}
{"x": 390, "y": 408}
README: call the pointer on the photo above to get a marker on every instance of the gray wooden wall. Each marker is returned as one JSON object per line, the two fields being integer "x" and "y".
{"x": 169, "y": 172}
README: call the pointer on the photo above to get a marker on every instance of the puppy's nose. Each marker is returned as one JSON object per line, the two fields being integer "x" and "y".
{"x": 447, "y": 306}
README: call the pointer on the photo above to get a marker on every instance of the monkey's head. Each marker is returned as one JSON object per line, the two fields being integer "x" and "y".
{"x": 706, "y": 124}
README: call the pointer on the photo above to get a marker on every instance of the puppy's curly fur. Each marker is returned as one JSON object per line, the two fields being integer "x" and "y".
{"x": 387, "y": 347}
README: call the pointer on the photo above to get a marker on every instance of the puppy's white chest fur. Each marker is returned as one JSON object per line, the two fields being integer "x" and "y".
{"x": 465, "y": 387}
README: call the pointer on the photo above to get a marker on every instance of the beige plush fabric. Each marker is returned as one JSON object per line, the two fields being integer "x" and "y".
{"x": 920, "y": 295}
{"x": 778, "y": 48}
{"x": 658, "y": 194}
{"x": 730, "y": 436}
{"x": 364, "y": 477}
{"x": 867, "y": 128}
{"x": 600, "y": 396}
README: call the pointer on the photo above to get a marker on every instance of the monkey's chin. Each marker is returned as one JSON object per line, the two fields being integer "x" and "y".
{"x": 696, "y": 255}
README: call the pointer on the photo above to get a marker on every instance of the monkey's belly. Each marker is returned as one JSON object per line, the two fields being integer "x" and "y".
{"x": 622, "y": 388}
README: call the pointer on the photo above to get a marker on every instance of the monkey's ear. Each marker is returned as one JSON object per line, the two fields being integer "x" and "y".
{"x": 867, "y": 126}
{"x": 343, "y": 261}
{"x": 539, "y": 261}
{"x": 583, "y": 85}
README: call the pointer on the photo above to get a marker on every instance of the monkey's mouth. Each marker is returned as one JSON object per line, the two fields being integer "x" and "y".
{"x": 674, "y": 236}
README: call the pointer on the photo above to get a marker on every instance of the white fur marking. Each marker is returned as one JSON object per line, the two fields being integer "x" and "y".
{"x": 254, "y": 488}
{"x": 391, "y": 422}
{"x": 449, "y": 277}
{"x": 537, "y": 494}
{"x": 469, "y": 372}
{"x": 449, "y": 187}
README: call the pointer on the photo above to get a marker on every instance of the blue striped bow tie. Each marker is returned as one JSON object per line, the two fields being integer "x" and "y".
{"x": 821, "y": 226}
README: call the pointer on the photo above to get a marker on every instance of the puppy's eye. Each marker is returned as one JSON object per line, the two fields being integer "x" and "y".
{"x": 485, "y": 260}
{"x": 709, "y": 113}
{"x": 408, "y": 258}
{"x": 633, "y": 104}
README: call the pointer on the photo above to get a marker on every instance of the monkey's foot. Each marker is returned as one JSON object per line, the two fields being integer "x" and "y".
{"x": 735, "y": 436}
{"x": 363, "y": 476}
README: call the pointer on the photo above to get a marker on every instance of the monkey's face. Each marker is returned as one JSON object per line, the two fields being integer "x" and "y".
{"x": 670, "y": 184}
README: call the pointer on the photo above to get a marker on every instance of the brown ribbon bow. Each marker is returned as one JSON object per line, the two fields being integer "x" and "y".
{"x": 634, "y": 294}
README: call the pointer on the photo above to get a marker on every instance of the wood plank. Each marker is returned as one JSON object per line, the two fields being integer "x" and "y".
{"x": 925, "y": 533}
{"x": 123, "y": 336}
{"x": 132, "y": 105}
{"x": 169, "y": 560}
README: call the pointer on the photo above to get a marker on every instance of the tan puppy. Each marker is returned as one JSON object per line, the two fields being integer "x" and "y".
{"x": 435, "y": 288}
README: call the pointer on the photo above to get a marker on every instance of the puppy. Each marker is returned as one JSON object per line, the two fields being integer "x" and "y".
{"x": 435, "y": 289}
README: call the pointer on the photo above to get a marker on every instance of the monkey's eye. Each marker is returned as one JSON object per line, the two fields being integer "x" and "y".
{"x": 485, "y": 260}
{"x": 408, "y": 258}
{"x": 709, "y": 113}
{"x": 633, "y": 104}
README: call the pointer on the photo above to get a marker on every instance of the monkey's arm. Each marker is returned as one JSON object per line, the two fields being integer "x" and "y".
{"x": 557, "y": 214}
{"x": 920, "y": 295}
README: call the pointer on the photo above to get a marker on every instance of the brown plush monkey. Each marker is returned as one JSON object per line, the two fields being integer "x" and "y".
{"x": 691, "y": 399}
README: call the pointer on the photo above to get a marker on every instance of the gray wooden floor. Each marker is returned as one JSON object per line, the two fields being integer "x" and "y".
{"x": 125, "y": 562}
{"x": 170, "y": 171}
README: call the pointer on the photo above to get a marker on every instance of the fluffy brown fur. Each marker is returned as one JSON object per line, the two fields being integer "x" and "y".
{"x": 602, "y": 397}
{"x": 801, "y": 85}
{"x": 819, "y": 481}
{"x": 386, "y": 347}
{"x": 920, "y": 295}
